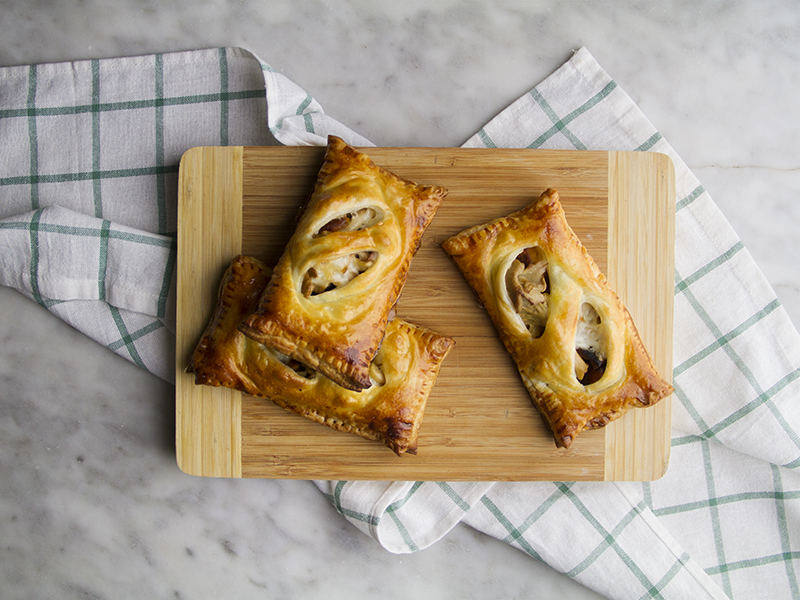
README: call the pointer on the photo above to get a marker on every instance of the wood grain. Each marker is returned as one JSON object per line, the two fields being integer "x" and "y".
{"x": 479, "y": 423}
{"x": 642, "y": 234}
{"x": 208, "y": 420}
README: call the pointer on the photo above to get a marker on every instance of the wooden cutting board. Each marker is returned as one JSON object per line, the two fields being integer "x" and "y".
{"x": 479, "y": 423}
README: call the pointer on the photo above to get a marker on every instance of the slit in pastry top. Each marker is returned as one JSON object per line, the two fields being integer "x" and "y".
{"x": 329, "y": 274}
{"x": 591, "y": 345}
{"x": 528, "y": 288}
{"x": 528, "y": 291}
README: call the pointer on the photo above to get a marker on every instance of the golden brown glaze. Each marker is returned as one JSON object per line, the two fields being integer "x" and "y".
{"x": 357, "y": 235}
{"x": 574, "y": 342}
{"x": 390, "y": 411}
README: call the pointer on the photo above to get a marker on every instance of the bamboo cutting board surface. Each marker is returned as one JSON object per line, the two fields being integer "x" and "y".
{"x": 479, "y": 422}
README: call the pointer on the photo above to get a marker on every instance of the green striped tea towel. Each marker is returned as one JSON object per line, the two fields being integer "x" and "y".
{"x": 90, "y": 168}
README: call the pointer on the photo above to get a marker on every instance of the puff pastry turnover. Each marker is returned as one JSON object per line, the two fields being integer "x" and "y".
{"x": 390, "y": 411}
{"x": 342, "y": 271}
{"x": 574, "y": 343}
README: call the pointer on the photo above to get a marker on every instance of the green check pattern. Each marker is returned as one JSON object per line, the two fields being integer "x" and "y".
{"x": 725, "y": 520}
{"x": 88, "y": 183}
{"x": 87, "y": 229}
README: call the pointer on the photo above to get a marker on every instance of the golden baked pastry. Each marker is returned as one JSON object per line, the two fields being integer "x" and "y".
{"x": 342, "y": 271}
{"x": 390, "y": 411}
{"x": 574, "y": 342}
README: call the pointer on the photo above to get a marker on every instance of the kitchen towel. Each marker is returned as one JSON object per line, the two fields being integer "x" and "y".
{"x": 90, "y": 169}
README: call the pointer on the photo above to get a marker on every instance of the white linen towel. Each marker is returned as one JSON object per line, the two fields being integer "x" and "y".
{"x": 87, "y": 225}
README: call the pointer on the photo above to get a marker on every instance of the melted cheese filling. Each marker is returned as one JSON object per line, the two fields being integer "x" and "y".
{"x": 590, "y": 345}
{"x": 331, "y": 274}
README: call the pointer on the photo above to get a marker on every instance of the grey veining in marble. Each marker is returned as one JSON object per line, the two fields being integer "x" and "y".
{"x": 92, "y": 504}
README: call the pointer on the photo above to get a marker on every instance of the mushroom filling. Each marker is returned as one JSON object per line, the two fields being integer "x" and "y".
{"x": 331, "y": 274}
{"x": 528, "y": 287}
{"x": 590, "y": 346}
{"x": 352, "y": 221}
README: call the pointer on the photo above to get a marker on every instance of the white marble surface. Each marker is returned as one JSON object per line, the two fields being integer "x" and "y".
{"x": 92, "y": 504}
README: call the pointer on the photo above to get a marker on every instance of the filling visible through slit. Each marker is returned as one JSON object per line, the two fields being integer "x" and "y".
{"x": 590, "y": 345}
{"x": 352, "y": 221}
{"x": 331, "y": 274}
{"x": 376, "y": 374}
{"x": 528, "y": 287}
{"x": 295, "y": 365}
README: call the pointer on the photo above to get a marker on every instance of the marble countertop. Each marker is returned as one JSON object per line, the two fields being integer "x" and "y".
{"x": 92, "y": 504}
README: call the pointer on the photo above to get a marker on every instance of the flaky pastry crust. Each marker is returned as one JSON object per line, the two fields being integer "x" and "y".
{"x": 575, "y": 344}
{"x": 390, "y": 411}
{"x": 342, "y": 271}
